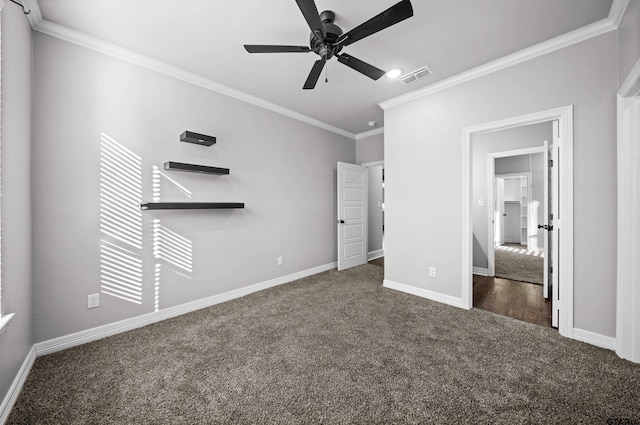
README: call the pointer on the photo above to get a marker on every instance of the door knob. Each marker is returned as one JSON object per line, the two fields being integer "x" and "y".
{"x": 341, "y": 221}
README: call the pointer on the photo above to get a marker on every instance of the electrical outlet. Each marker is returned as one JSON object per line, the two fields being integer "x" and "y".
{"x": 279, "y": 261}
{"x": 93, "y": 301}
{"x": 432, "y": 272}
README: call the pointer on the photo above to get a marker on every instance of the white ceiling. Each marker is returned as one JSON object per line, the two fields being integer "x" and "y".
{"x": 206, "y": 37}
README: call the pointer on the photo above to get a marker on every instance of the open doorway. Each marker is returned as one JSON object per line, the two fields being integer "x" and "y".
{"x": 360, "y": 214}
{"x": 518, "y": 192}
{"x": 478, "y": 230}
{"x": 518, "y": 251}
{"x": 515, "y": 283}
{"x": 375, "y": 172}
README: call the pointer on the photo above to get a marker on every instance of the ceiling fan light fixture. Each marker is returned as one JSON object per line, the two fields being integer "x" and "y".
{"x": 394, "y": 73}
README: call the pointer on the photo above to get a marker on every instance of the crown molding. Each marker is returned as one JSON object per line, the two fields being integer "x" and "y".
{"x": 618, "y": 7}
{"x": 595, "y": 29}
{"x": 76, "y": 37}
{"x": 369, "y": 133}
{"x": 616, "y": 12}
{"x": 34, "y": 16}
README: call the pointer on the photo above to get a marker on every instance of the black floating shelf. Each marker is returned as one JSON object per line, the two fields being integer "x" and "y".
{"x": 190, "y": 205}
{"x": 197, "y": 138}
{"x": 193, "y": 168}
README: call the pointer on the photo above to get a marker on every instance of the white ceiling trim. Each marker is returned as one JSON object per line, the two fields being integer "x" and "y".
{"x": 35, "y": 16}
{"x": 603, "y": 26}
{"x": 118, "y": 52}
{"x": 369, "y": 133}
{"x": 617, "y": 10}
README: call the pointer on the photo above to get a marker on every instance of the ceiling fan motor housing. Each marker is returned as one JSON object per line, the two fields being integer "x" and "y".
{"x": 324, "y": 48}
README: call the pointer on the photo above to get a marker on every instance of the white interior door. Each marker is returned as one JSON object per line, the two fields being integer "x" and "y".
{"x": 554, "y": 223}
{"x": 352, "y": 215}
{"x": 499, "y": 212}
{"x": 545, "y": 218}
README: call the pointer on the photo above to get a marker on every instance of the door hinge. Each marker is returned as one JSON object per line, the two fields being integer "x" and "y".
{"x": 551, "y": 270}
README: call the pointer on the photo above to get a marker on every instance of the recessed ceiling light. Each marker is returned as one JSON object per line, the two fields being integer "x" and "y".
{"x": 394, "y": 73}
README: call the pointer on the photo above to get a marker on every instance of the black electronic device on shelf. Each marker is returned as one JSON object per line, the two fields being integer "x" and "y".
{"x": 197, "y": 138}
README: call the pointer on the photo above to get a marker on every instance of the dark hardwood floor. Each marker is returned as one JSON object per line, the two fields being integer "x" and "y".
{"x": 519, "y": 300}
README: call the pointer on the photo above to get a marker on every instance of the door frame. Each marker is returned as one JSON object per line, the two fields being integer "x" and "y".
{"x": 627, "y": 342}
{"x": 564, "y": 115}
{"x": 367, "y": 165}
{"x": 491, "y": 193}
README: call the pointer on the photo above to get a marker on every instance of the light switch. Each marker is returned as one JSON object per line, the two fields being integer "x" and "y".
{"x": 481, "y": 202}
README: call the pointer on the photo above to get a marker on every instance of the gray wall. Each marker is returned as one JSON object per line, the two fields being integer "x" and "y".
{"x": 283, "y": 169}
{"x": 15, "y": 341}
{"x": 423, "y": 170}
{"x": 513, "y": 164}
{"x": 629, "y": 41}
{"x": 370, "y": 149}
{"x": 482, "y": 145}
{"x": 375, "y": 207}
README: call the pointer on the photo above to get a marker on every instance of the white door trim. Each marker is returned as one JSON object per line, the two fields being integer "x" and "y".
{"x": 565, "y": 117}
{"x": 628, "y": 280}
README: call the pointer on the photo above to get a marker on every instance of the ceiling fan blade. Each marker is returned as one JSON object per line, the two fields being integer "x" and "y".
{"x": 396, "y": 13}
{"x": 266, "y": 48}
{"x": 310, "y": 13}
{"x": 312, "y": 79}
{"x": 360, "y": 66}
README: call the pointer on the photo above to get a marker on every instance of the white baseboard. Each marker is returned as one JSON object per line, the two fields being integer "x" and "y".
{"x": 82, "y": 337}
{"x": 481, "y": 271}
{"x": 424, "y": 293}
{"x": 375, "y": 254}
{"x": 16, "y": 386}
{"x": 594, "y": 339}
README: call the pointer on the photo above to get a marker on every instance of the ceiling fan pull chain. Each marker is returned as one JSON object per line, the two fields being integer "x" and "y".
{"x": 326, "y": 73}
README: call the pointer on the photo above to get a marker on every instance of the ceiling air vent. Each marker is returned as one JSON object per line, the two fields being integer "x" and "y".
{"x": 415, "y": 75}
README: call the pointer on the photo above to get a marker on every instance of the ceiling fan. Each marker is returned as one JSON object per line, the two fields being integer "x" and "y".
{"x": 327, "y": 39}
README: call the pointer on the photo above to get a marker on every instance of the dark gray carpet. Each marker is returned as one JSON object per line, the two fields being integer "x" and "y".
{"x": 517, "y": 266}
{"x": 333, "y": 348}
